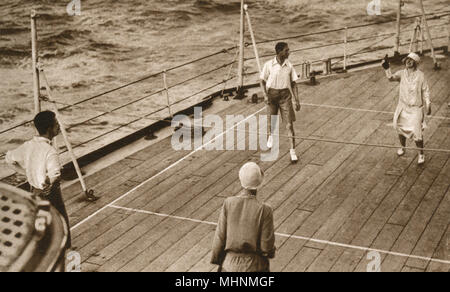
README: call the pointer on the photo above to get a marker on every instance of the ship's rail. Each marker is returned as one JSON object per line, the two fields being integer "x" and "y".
{"x": 214, "y": 79}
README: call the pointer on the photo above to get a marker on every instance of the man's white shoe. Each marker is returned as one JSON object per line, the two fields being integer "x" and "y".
{"x": 421, "y": 159}
{"x": 294, "y": 157}
{"x": 400, "y": 151}
{"x": 270, "y": 142}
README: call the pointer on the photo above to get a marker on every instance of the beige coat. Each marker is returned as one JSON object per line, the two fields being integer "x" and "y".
{"x": 245, "y": 238}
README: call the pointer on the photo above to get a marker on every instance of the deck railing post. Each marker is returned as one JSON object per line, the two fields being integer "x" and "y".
{"x": 422, "y": 38}
{"x": 303, "y": 70}
{"x": 308, "y": 69}
{"x": 345, "y": 48}
{"x": 326, "y": 66}
{"x": 88, "y": 193}
{"x": 35, "y": 59}
{"x": 397, "y": 34}
{"x": 255, "y": 49}
{"x": 166, "y": 90}
{"x": 240, "y": 74}
{"x": 414, "y": 39}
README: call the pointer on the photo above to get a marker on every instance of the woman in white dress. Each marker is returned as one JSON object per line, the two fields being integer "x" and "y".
{"x": 413, "y": 103}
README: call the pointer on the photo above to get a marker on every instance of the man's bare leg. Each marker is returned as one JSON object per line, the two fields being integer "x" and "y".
{"x": 419, "y": 145}
{"x": 290, "y": 128}
{"x": 402, "y": 139}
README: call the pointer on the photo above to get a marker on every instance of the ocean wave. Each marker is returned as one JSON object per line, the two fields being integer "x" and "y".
{"x": 227, "y": 7}
{"x": 13, "y": 52}
{"x": 13, "y": 30}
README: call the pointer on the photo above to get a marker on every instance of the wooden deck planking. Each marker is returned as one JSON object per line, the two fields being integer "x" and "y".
{"x": 322, "y": 196}
{"x": 302, "y": 260}
{"x": 151, "y": 252}
{"x": 415, "y": 225}
{"x": 347, "y": 196}
{"x": 366, "y": 209}
{"x": 181, "y": 169}
{"x": 129, "y": 223}
{"x": 108, "y": 194}
{"x": 282, "y": 164}
{"x": 441, "y": 252}
{"x": 204, "y": 264}
{"x": 187, "y": 205}
{"x": 343, "y": 216}
{"x": 194, "y": 255}
{"x": 436, "y": 227}
{"x": 155, "y": 152}
{"x": 285, "y": 253}
{"x": 181, "y": 247}
{"x": 357, "y": 254}
{"x": 321, "y": 177}
{"x": 316, "y": 200}
{"x": 377, "y": 216}
{"x": 100, "y": 231}
{"x": 340, "y": 216}
{"x": 318, "y": 179}
{"x": 384, "y": 241}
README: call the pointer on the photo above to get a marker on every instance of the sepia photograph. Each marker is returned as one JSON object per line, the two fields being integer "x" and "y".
{"x": 195, "y": 137}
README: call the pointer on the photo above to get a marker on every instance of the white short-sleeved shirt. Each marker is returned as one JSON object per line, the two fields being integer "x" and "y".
{"x": 278, "y": 76}
{"x": 38, "y": 158}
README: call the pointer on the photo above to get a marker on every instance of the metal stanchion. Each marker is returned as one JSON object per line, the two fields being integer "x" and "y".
{"x": 166, "y": 90}
{"x": 397, "y": 34}
{"x": 89, "y": 193}
{"x": 436, "y": 65}
{"x": 345, "y": 49}
{"x": 255, "y": 49}
{"x": 240, "y": 85}
{"x": 34, "y": 56}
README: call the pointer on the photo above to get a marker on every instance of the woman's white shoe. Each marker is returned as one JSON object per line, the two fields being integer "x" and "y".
{"x": 421, "y": 159}
{"x": 294, "y": 157}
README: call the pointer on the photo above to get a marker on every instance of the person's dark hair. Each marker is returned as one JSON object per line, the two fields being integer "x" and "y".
{"x": 280, "y": 46}
{"x": 44, "y": 121}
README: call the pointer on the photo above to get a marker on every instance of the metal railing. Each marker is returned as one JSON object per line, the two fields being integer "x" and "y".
{"x": 135, "y": 117}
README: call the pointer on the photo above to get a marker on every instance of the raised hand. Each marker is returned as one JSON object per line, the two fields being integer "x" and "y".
{"x": 385, "y": 63}
{"x": 297, "y": 106}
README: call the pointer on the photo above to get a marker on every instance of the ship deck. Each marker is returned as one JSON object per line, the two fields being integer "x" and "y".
{"x": 158, "y": 206}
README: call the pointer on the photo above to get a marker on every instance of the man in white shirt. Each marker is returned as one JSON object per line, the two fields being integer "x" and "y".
{"x": 39, "y": 161}
{"x": 278, "y": 77}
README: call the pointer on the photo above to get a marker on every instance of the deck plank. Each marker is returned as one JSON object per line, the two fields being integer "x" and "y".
{"x": 365, "y": 196}
{"x": 302, "y": 260}
{"x": 194, "y": 255}
{"x": 441, "y": 252}
{"x": 384, "y": 241}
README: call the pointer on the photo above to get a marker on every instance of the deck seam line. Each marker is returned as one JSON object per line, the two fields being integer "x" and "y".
{"x": 290, "y": 236}
{"x": 164, "y": 170}
{"x": 364, "y": 110}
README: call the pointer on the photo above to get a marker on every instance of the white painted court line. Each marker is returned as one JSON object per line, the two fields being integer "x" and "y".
{"x": 163, "y": 171}
{"x": 292, "y": 236}
{"x": 364, "y": 110}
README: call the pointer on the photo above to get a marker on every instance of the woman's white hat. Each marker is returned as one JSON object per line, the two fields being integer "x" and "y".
{"x": 251, "y": 176}
{"x": 414, "y": 57}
